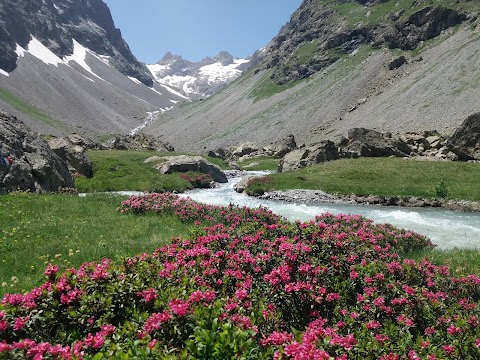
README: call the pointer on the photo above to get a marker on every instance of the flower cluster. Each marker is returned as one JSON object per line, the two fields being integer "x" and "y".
{"x": 249, "y": 282}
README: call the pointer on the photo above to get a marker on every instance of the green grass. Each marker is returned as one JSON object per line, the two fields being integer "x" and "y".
{"x": 28, "y": 109}
{"x": 263, "y": 163}
{"x": 68, "y": 230}
{"x": 266, "y": 88}
{"x": 381, "y": 176}
{"x": 116, "y": 170}
{"x": 306, "y": 52}
{"x": 462, "y": 262}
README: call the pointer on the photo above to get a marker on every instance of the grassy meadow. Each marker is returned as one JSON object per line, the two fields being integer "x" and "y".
{"x": 116, "y": 170}
{"x": 379, "y": 176}
{"x": 68, "y": 230}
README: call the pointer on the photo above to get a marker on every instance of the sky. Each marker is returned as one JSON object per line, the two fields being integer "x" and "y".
{"x": 196, "y": 29}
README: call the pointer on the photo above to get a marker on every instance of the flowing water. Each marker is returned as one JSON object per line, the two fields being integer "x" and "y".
{"x": 447, "y": 229}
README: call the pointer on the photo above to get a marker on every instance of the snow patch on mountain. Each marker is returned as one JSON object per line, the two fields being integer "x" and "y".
{"x": 197, "y": 79}
{"x": 20, "y": 51}
{"x": 136, "y": 81}
{"x": 219, "y": 73}
{"x": 79, "y": 55}
{"x": 40, "y": 51}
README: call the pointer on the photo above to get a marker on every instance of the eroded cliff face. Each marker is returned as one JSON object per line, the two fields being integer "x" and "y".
{"x": 55, "y": 23}
{"x": 322, "y": 31}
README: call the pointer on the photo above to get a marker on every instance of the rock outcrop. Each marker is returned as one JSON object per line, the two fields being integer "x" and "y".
{"x": 141, "y": 141}
{"x": 184, "y": 163}
{"x": 245, "y": 149}
{"x": 56, "y": 22}
{"x": 319, "y": 34}
{"x": 26, "y": 162}
{"x": 70, "y": 150}
{"x": 370, "y": 143}
{"x": 279, "y": 149}
{"x": 465, "y": 142}
{"x": 314, "y": 154}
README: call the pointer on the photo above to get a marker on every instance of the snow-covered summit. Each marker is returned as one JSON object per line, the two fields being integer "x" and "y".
{"x": 201, "y": 78}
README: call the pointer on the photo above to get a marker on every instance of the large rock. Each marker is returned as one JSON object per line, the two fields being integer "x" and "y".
{"x": 371, "y": 143}
{"x": 279, "y": 149}
{"x": 26, "y": 162}
{"x": 245, "y": 149}
{"x": 70, "y": 151}
{"x": 314, "y": 154}
{"x": 184, "y": 163}
{"x": 465, "y": 142}
{"x": 141, "y": 141}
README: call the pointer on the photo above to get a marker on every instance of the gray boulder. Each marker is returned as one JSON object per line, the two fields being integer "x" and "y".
{"x": 313, "y": 154}
{"x": 279, "y": 149}
{"x": 73, "y": 153}
{"x": 184, "y": 163}
{"x": 465, "y": 142}
{"x": 370, "y": 143}
{"x": 242, "y": 184}
{"x": 245, "y": 149}
{"x": 26, "y": 162}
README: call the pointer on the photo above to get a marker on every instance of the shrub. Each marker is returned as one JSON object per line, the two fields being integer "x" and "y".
{"x": 441, "y": 189}
{"x": 248, "y": 284}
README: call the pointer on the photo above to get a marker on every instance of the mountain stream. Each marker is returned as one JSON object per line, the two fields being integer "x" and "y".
{"x": 447, "y": 229}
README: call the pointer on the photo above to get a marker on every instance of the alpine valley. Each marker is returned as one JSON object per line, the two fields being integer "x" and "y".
{"x": 388, "y": 65}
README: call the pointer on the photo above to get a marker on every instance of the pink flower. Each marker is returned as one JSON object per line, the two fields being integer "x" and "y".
{"x": 477, "y": 343}
{"x": 155, "y": 321}
{"x": 148, "y": 295}
{"x": 449, "y": 349}
{"x": 332, "y": 297}
{"x": 373, "y": 324}
{"x": 453, "y": 330}
{"x": 179, "y": 307}
{"x": 152, "y": 344}
{"x": 277, "y": 338}
{"x": 51, "y": 270}
{"x": 19, "y": 323}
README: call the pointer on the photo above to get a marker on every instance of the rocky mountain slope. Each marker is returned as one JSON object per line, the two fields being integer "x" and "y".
{"x": 198, "y": 79}
{"x": 388, "y": 65}
{"x": 65, "y": 67}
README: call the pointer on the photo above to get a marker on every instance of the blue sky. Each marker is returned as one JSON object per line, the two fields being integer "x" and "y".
{"x": 199, "y": 28}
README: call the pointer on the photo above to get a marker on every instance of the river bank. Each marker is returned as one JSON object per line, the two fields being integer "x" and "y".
{"x": 319, "y": 197}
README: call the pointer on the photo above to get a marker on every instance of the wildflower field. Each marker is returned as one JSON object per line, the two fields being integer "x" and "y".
{"x": 247, "y": 284}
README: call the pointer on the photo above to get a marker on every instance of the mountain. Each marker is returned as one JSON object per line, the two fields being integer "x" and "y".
{"x": 65, "y": 67}
{"x": 198, "y": 79}
{"x": 388, "y": 65}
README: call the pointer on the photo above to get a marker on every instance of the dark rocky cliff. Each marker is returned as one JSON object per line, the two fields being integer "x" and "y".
{"x": 321, "y": 31}
{"x": 56, "y": 23}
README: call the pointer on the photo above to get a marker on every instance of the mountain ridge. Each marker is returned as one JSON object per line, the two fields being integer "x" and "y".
{"x": 198, "y": 79}
{"x": 64, "y": 67}
{"x": 324, "y": 73}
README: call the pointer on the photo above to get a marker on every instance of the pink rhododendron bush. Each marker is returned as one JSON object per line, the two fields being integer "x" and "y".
{"x": 248, "y": 284}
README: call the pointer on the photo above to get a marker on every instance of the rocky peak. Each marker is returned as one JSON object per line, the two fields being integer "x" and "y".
{"x": 55, "y": 23}
{"x": 321, "y": 31}
{"x": 170, "y": 58}
{"x": 224, "y": 57}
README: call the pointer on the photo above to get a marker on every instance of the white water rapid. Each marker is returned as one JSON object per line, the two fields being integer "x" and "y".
{"x": 446, "y": 229}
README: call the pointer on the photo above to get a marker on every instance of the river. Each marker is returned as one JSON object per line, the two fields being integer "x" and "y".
{"x": 447, "y": 229}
